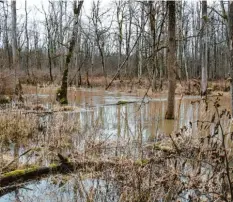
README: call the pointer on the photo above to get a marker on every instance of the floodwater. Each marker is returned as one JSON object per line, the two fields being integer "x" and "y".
{"x": 144, "y": 117}
{"x": 100, "y": 112}
{"x": 47, "y": 190}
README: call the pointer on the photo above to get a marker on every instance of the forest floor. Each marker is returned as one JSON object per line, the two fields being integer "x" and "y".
{"x": 134, "y": 85}
{"x": 142, "y": 86}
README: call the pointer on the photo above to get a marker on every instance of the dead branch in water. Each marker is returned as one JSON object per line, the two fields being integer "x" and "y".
{"x": 15, "y": 179}
{"x": 18, "y": 176}
{"x": 15, "y": 159}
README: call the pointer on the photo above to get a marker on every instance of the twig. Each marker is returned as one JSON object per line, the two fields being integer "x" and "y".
{"x": 4, "y": 168}
{"x": 175, "y": 145}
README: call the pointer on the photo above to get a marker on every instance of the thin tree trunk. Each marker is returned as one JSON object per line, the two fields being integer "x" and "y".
{"x": 27, "y": 40}
{"x": 6, "y": 38}
{"x": 141, "y": 43}
{"x": 14, "y": 40}
{"x": 14, "y": 35}
{"x": 204, "y": 72}
{"x": 153, "y": 39}
{"x": 120, "y": 34}
{"x": 61, "y": 34}
{"x": 128, "y": 36}
{"x": 49, "y": 46}
{"x": 100, "y": 40}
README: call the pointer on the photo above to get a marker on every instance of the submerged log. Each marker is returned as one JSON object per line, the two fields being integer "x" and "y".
{"x": 18, "y": 176}
{"x": 21, "y": 175}
{"x": 13, "y": 180}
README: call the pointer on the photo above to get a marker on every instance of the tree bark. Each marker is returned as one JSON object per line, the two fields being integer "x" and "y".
{"x": 231, "y": 48}
{"x": 62, "y": 92}
{"x": 204, "y": 72}
{"x": 153, "y": 39}
{"x": 141, "y": 41}
{"x": 6, "y": 38}
{"x": 14, "y": 42}
{"x": 171, "y": 63}
{"x": 27, "y": 40}
{"x": 120, "y": 10}
{"x": 14, "y": 35}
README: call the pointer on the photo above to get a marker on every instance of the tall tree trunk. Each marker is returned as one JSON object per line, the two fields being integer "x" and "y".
{"x": 128, "y": 30}
{"x": 6, "y": 38}
{"x": 153, "y": 39}
{"x": 61, "y": 37}
{"x": 27, "y": 40}
{"x": 204, "y": 72}
{"x": 171, "y": 63}
{"x": 231, "y": 48}
{"x": 120, "y": 33}
{"x": 14, "y": 40}
{"x": 141, "y": 42}
{"x": 100, "y": 37}
{"x": 49, "y": 45}
{"x": 62, "y": 92}
{"x": 14, "y": 35}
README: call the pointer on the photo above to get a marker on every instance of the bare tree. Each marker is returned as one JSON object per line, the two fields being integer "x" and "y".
{"x": 171, "y": 63}
{"x": 61, "y": 37}
{"x": 100, "y": 32}
{"x": 204, "y": 73}
{"x": 62, "y": 92}
{"x": 231, "y": 48}
{"x": 128, "y": 33}
{"x": 14, "y": 34}
{"x": 141, "y": 41}
{"x": 5, "y": 33}
{"x": 153, "y": 39}
{"x": 48, "y": 27}
{"x": 27, "y": 39}
{"x": 120, "y": 18}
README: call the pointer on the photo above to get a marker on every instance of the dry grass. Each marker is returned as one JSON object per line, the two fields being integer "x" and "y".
{"x": 7, "y": 83}
{"x": 16, "y": 127}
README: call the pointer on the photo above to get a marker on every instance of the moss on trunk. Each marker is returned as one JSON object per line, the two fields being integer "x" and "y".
{"x": 62, "y": 92}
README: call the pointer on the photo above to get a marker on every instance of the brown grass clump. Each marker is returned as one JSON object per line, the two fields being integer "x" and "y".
{"x": 6, "y": 84}
{"x": 16, "y": 127}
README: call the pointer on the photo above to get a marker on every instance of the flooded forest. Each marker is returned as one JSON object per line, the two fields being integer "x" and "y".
{"x": 116, "y": 101}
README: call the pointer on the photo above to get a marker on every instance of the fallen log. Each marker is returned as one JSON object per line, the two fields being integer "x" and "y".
{"x": 18, "y": 176}
{"x": 15, "y": 179}
{"x": 10, "y": 181}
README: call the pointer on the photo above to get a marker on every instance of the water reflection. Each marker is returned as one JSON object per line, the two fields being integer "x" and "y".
{"x": 136, "y": 119}
{"x": 99, "y": 109}
{"x": 53, "y": 190}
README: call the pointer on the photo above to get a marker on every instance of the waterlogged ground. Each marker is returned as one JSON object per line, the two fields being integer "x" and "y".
{"x": 142, "y": 116}
{"x": 118, "y": 118}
